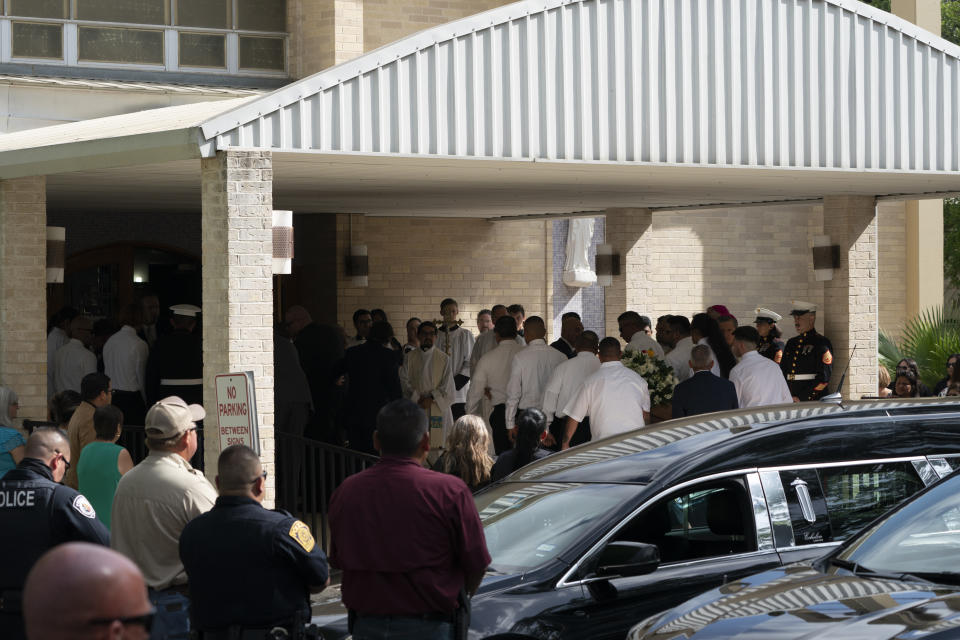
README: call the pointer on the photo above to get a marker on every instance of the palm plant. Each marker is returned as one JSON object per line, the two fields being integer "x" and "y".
{"x": 929, "y": 338}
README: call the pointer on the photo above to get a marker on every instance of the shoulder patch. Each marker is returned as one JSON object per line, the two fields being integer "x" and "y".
{"x": 827, "y": 357}
{"x": 83, "y": 506}
{"x": 301, "y": 533}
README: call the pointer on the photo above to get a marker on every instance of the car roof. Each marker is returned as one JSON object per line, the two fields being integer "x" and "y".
{"x": 767, "y": 436}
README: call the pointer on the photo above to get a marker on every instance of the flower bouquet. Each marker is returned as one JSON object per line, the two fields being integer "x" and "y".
{"x": 659, "y": 375}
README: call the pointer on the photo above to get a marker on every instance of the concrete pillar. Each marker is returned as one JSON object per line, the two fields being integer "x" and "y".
{"x": 237, "y": 244}
{"x": 323, "y": 33}
{"x": 923, "y": 228}
{"x": 23, "y": 292}
{"x": 850, "y": 313}
{"x": 630, "y": 291}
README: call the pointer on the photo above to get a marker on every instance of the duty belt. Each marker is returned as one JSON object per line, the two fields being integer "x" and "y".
{"x": 180, "y": 382}
{"x": 801, "y": 376}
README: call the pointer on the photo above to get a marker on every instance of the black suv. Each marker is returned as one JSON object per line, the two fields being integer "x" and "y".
{"x": 588, "y": 541}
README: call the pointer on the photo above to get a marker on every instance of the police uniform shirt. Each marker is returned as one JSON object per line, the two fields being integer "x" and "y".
{"x": 37, "y": 514}
{"x": 771, "y": 348}
{"x": 807, "y": 364}
{"x": 249, "y": 566}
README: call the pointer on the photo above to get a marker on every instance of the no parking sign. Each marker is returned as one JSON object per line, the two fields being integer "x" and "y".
{"x": 237, "y": 410}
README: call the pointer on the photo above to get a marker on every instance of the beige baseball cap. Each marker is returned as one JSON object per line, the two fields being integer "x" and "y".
{"x": 172, "y": 417}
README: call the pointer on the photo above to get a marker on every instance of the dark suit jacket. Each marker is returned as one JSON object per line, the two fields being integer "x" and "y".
{"x": 560, "y": 345}
{"x": 373, "y": 380}
{"x": 703, "y": 393}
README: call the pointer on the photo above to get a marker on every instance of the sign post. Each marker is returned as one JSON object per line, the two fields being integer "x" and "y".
{"x": 237, "y": 410}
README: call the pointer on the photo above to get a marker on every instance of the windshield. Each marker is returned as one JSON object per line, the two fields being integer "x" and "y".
{"x": 528, "y": 525}
{"x": 921, "y": 538}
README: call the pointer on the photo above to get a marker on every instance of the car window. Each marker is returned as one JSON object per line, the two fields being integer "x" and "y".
{"x": 808, "y": 509}
{"x": 707, "y": 520}
{"x": 858, "y": 494}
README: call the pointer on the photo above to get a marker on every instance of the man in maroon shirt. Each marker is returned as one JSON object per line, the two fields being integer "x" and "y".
{"x": 407, "y": 539}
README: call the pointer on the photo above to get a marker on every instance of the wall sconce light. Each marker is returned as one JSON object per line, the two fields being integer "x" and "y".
{"x": 608, "y": 264}
{"x": 826, "y": 258}
{"x": 56, "y": 253}
{"x": 282, "y": 242}
{"x": 358, "y": 265}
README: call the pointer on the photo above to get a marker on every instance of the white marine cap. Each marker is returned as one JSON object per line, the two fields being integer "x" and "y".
{"x": 188, "y": 310}
{"x": 767, "y": 316}
{"x": 801, "y": 307}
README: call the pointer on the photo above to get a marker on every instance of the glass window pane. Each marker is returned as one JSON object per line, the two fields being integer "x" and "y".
{"x": 262, "y": 15}
{"x": 262, "y": 53}
{"x": 808, "y": 508}
{"x": 32, "y": 40}
{"x": 858, "y": 494}
{"x": 135, "y": 11}
{"x": 203, "y": 13}
{"x": 138, "y": 46}
{"x": 39, "y": 8}
{"x": 202, "y": 50}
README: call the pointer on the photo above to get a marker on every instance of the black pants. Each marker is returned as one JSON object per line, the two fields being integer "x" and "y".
{"x": 558, "y": 428}
{"x": 498, "y": 423}
{"x": 132, "y": 405}
{"x": 458, "y": 410}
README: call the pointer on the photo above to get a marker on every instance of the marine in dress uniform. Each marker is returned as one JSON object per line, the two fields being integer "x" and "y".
{"x": 36, "y": 514}
{"x": 175, "y": 366}
{"x": 770, "y": 346}
{"x": 250, "y": 569}
{"x": 808, "y": 357}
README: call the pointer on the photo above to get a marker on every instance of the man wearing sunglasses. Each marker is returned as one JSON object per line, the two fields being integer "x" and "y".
{"x": 237, "y": 539}
{"x": 37, "y": 513}
{"x": 107, "y": 596}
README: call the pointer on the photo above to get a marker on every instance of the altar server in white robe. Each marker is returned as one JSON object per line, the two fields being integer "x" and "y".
{"x": 457, "y": 343}
{"x": 488, "y": 387}
{"x": 426, "y": 379}
{"x": 755, "y": 377}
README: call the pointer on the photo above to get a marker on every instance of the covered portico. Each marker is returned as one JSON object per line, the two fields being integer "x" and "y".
{"x": 536, "y": 109}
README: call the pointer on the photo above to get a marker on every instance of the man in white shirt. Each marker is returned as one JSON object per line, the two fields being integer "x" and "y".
{"x": 426, "y": 379}
{"x": 457, "y": 343}
{"x": 565, "y": 384}
{"x": 679, "y": 357}
{"x": 617, "y": 399}
{"x": 488, "y": 340}
{"x": 633, "y": 333}
{"x": 57, "y": 337}
{"x": 755, "y": 377}
{"x": 125, "y": 363}
{"x": 74, "y": 360}
{"x": 488, "y": 387}
{"x": 531, "y": 370}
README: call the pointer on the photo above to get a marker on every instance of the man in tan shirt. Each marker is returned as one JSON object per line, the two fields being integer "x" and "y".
{"x": 154, "y": 501}
{"x": 95, "y": 392}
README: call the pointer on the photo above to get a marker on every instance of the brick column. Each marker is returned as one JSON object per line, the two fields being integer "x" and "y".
{"x": 630, "y": 291}
{"x": 237, "y": 192}
{"x": 323, "y": 33}
{"x": 850, "y": 314}
{"x": 23, "y": 292}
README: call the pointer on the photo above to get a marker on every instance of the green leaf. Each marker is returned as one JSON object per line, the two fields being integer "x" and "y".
{"x": 929, "y": 339}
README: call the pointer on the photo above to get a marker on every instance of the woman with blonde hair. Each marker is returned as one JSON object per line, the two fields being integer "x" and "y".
{"x": 11, "y": 440}
{"x": 465, "y": 454}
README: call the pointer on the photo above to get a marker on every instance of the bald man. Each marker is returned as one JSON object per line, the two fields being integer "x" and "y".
{"x": 530, "y": 371}
{"x": 37, "y": 513}
{"x": 107, "y": 596}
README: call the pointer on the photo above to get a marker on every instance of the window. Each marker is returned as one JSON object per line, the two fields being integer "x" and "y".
{"x": 135, "y": 46}
{"x": 56, "y": 9}
{"x": 856, "y": 495}
{"x": 710, "y": 520}
{"x": 808, "y": 509}
{"x": 262, "y": 15}
{"x": 35, "y": 40}
{"x": 262, "y": 53}
{"x": 132, "y": 11}
{"x": 213, "y": 14}
{"x": 202, "y": 50}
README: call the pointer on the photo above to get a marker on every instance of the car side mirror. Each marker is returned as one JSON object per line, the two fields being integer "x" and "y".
{"x": 628, "y": 559}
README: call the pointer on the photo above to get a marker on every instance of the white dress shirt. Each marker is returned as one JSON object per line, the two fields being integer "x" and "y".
{"x": 614, "y": 397}
{"x": 485, "y": 343}
{"x": 715, "y": 369}
{"x": 679, "y": 358}
{"x": 642, "y": 342}
{"x": 566, "y": 381}
{"x": 55, "y": 339}
{"x": 461, "y": 344}
{"x": 492, "y": 371}
{"x": 72, "y": 362}
{"x": 531, "y": 370}
{"x": 759, "y": 381}
{"x": 125, "y": 360}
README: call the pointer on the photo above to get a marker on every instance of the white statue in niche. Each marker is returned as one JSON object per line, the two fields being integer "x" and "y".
{"x": 577, "y": 271}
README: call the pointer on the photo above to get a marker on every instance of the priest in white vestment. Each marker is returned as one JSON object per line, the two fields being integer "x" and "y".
{"x": 426, "y": 379}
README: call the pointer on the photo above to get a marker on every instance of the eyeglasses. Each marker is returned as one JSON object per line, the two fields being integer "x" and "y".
{"x": 66, "y": 463}
{"x": 145, "y": 620}
{"x": 262, "y": 475}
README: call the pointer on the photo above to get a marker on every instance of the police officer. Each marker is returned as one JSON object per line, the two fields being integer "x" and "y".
{"x": 251, "y": 570}
{"x": 770, "y": 345}
{"x": 37, "y": 513}
{"x": 808, "y": 357}
{"x": 175, "y": 365}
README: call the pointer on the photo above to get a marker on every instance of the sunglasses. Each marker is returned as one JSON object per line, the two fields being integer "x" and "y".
{"x": 66, "y": 463}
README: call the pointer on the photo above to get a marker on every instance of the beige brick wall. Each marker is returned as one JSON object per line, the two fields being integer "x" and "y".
{"x": 385, "y": 21}
{"x": 237, "y": 202}
{"x": 23, "y": 295}
{"x": 323, "y": 33}
{"x": 417, "y": 262}
{"x": 628, "y": 231}
{"x": 892, "y": 266}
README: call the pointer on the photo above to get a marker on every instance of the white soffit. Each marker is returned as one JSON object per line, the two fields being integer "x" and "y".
{"x": 818, "y": 84}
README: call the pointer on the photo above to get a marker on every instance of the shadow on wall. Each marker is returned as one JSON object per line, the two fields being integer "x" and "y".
{"x": 587, "y": 301}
